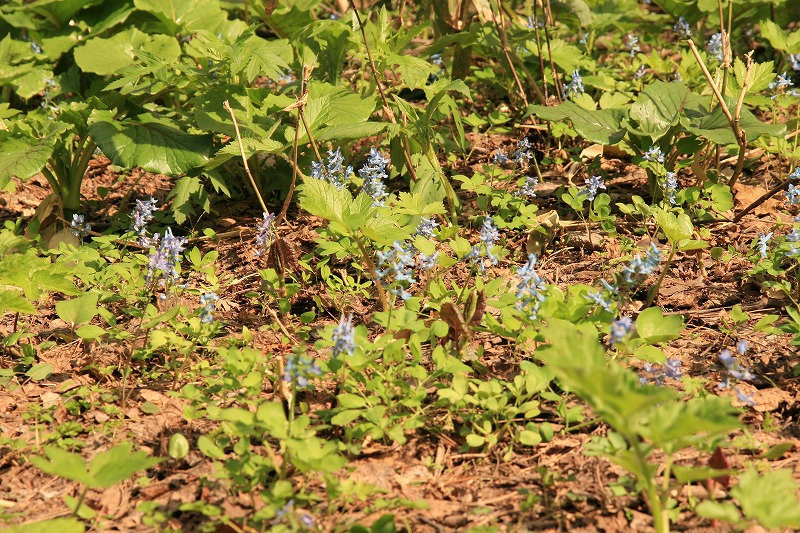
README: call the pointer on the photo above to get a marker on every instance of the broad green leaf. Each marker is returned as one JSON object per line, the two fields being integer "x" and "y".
{"x": 63, "y": 464}
{"x": 62, "y": 525}
{"x": 676, "y": 228}
{"x": 660, "y": 105}
{"x": 153, "y": 143}
{"x": 414, "y": 70}
{"x": 349, "y": 132}
{"x": 185, "y": 16}
{"x": 715, "y": 127}
{"x": 725, "y": 511}
{"x": 107, "y": 56}
{"x": 654, "y": 327}
{"x": 14, "y": 302}
{"x": 40, "y": 371}
{"x": 777, "y": 451}
{"x": 23, "y": 158}
{"x": 603, "y": 126}
{"x": 90, "y": 332}
{"x": 692, "y": 474}
{"x": 118, "y": 464}
{"x": 78, "y": 311}
{"x": 209, "y": 448}
{"x": 178, "y": 446}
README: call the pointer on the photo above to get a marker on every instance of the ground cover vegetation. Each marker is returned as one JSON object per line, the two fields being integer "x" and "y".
{"x": 477, "y": 265}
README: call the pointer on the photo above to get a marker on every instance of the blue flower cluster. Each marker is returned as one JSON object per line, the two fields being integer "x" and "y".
{"x": 264, "y": 234}
{"x": 736, "y": 371}
{"x": 593, "y": 184}
{"x": 164, "y": 258}
{"x": 141, "y": 217}
{"x": 620, "y": 329}
{"x": 489, "y": 235}
{"x": 640, "y": 267}
{"x": 333, "y": 171}
{"x": 528, "y": 188}
{"x": 670, "y": 187}
{"x": 207, "y": 301}
{"x": 654, "y": 153}
{"x": 80, "y": 228}
{"x": 682, "y": 28}
{"x": 518, "y": 156}
{"x": 530, "y": 288}
{"x": 763, "y": 241}
{"x": 299, "y": 369}
{"x": 672, "y": 369}
{"x": 575, "y": 86}
{"x": 374, "y": 173}
{"x": 714, "y": 46}
{"x": 398, "y": 269}
{"x": 426, "y": 227}
{"x": 632, "y": 44}
{"x": 343, "y": 338}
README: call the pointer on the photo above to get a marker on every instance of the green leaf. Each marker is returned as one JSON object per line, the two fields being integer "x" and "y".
{"x": 675, "y": 228}
{"x": 178, "y": 446}
{"x": 776, "y": 451}
{"x": 692, "y": 474}
{"x": 62, "y": 525}
{"x": 660, "y": 105}
{"x": 349, "y": 132}
{"x": 603, "y": 126}
{"x": 323, "y": 199}
{"x": 107, "y": 56}
{"x": 725, "y": 511}
{"x": 654, "y": 327}
{"x": 78, "y": 310}
{"x": 761, "y": 76}
{"x": 209, "y": 448}
{"x": 90, "y": 332}
{"x": 118, "y": 464}
{"x": 153, "y": 143}
{"x": 185, "y": 16}
{"x": 12, "y": 301}
{"x": 63, "y": 464}
{"x": 715, "y": 127}
{"x": 769, "y": 497}
{"x": 40, "y": 371}
{"x": 774, "y": 34}
{"x": 23, "y": 158}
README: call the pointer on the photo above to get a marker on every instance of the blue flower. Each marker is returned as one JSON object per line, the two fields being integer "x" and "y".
{"x": 597, "y": 298}
{"x": 741, "y": 346}
{"x": 672, "y": 369}
{"x": 164, "y": 257}
{"x": 427, "y": 262}
{"x": 298, "y": 369}
{"x": 522, "y": 152}
{"x": 426, "y": 227}
{"x": 207, "y": 301}
{"x": 682, "y": 28}
{"x": 742, "y": 397}
{"x": 528, "y": 188}
{"x": 374, "y": 173}
{"x": 333, "y": 170}
{"x": 763, "y": 240}
{"x": 782, "y": 82}
{"x": 575, "y": 86}
{"x": 640, "y": 72}
{"x": 141, "y": 216}
{"x": 530, "y": 288}
{"x": 593, "y": 184}
{"x": 670, "y": 187}
{"x": 640, "y": 267}
{"x": 620, "y": 329}
{"x": 80, "y": 228}
{"x": 715, "y": 46}
{"x": 632, "y": 44}
{"x": 264, "y": 235}
{"x": 398, "y": 265}
{"x": 794, "y": 61}
{"x": 734, "y": 367}
{"x": 654, "y": 153}
{"x": 343, "y": 338}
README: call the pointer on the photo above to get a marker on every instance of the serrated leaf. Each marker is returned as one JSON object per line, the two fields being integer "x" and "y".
{"x": 185, "y": 16}
{"x": 63, "y": 464}
{"x": 15, "y": 303}
{"x": 769, "y": 497}
{"x": 23, "y": 158}
{"x": 153, "y": 143}
{"x": 774, "y": 34}
{"x": 106, "y": 56}
{"x": 761, "y": 75}
{"x": 323, "y": 199}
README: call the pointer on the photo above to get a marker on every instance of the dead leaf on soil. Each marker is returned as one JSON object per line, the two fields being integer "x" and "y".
{"x": 744, "y": 195}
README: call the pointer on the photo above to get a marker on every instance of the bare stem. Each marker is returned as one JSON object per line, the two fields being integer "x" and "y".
{"x": 301, "y": 102}
{"x": 228, "y": 108}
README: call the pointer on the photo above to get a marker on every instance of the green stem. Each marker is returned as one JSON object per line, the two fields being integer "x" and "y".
{"x": 371, "y": 266}
{"x": 80, "y": 501}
